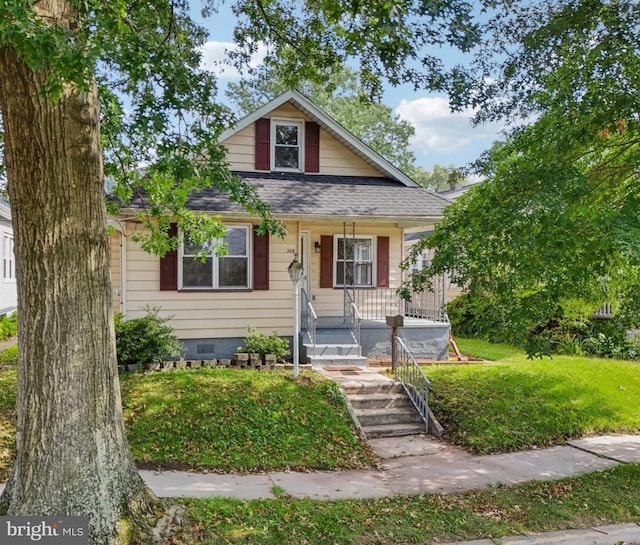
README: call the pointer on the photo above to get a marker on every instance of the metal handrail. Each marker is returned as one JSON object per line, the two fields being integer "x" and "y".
{"x": 353, "y": 319}
{"x": 311, "y": 324}
{"x": 413, "y": 379}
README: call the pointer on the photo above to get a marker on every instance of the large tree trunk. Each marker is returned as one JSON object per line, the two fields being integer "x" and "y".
{"x": 72, "y": 455}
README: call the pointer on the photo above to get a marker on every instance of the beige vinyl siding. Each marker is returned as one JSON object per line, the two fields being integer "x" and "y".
{"x": 288, "y": 110}
{"x": 241, "y": 148}
{"x": 198, "y": 314}
{"x": 201, "y": 314}
{"x": 453, "y": 291}
{"x": 338, "y": 160}
{"x": 335, "y": 158}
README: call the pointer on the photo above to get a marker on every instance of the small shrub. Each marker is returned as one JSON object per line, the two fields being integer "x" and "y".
{"x": 145, "y": 340}
{"x": 475, "y": 316}
{"x": 259, "y": 343}
{"x": 604, "y": 346}
{"x": 8, "y": 326}
{"x": 571, "y": 345}
{"x": 9, "y": 356}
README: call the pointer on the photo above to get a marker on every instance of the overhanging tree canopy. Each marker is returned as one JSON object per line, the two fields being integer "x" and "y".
{"x": 158, "y": 125}
{"x": 557, "y": 217}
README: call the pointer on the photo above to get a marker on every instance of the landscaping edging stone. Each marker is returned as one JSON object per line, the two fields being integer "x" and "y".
{"x": 241, "y": 360}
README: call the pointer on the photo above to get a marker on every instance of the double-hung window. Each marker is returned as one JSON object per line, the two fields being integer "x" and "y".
{"x": 286, "y": 150}
{"x": 422, "y": 262}
{"x": 354, "y": 263}
{"x": 227, "y": 271}
{"x": 8, "y": 259}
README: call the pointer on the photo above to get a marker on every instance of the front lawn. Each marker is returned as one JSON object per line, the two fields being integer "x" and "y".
{"x": 224, "y": 420}
{"x": 239, "y": 421}
{"x": 516, "y": 403}
{"x": 487, "y": 351}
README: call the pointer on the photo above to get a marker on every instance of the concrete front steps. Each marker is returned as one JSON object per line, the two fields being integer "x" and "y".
{"x": 334, "y": 347}
{"x": 383, "y": 410}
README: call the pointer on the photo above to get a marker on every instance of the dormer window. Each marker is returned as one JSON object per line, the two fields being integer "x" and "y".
{"x": 285, "y": 144}
{"x": 286, "y": 137}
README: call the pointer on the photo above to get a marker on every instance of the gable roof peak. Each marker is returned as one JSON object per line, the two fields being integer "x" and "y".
{"x": 333, "y": 127}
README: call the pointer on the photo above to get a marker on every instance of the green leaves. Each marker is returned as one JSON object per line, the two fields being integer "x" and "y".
{"x": 556, "y": 218}
{"x": 160, "y": 120}
{"x": 390, "y": 41}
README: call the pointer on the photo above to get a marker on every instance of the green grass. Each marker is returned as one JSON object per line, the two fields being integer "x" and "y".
{"x": 518, "y": 403}
{"x": 224, "y": 420}
{"x": 239, "y": 421}
{"x": 244, "y": 421}
{"x": 9, "y": 356}
{"x": 598, "y": 498}
{"x": 487, "y": 351}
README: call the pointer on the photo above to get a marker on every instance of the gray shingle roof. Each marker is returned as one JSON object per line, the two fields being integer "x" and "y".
{"x": 323, "y": 195}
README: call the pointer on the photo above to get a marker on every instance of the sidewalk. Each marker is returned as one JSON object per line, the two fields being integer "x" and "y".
{"x": 422, "y": 464}
{"x": 410, "y": 465}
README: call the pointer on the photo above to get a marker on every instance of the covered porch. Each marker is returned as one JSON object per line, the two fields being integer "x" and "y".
{"x": 361, "y": 332}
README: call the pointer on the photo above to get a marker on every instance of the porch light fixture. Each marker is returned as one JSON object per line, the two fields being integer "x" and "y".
{"x": 295, "y": 270}
{"x": 316, "y": 246}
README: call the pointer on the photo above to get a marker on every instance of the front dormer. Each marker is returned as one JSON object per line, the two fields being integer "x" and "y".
{"x": 292, "y": 135}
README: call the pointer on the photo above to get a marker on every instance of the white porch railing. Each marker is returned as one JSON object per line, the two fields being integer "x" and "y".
{"x": 352, "y": 319}
{"x": 377, "y": 303}
{"x": 605, "y": 311}
{"x": 309, "y": 320}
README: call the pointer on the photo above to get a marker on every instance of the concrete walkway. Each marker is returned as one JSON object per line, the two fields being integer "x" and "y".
{"x": 410, "y": 465}
{"x": 421, "y": 464}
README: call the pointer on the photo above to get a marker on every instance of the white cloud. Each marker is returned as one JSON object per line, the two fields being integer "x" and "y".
{"x": 215, "y": 58}
{"x": 440, "y": 132}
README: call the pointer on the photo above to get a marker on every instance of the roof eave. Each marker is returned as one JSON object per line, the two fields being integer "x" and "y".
{"x": 402, "y": 221}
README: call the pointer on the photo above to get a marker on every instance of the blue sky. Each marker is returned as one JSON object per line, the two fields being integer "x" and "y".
{"x": 441, "y": 137}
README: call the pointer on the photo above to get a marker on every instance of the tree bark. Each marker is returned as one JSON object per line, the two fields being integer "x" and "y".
{"x": 72, "y": 455}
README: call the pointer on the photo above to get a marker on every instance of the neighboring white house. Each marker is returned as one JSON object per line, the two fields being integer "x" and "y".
{"x": 8, "y": 292}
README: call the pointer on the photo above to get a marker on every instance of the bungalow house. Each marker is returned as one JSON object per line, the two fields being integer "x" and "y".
{"x": 345, "y": 209}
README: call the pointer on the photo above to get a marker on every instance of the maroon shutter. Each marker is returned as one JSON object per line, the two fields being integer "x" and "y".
{"x": 169, "y": 265}
{"x": 312, "y": 147}
{"x": 263, "y": 147}
{"x": 383, "y": 262}
{"x": 260, "y": 261}
{"x": 326, "y": 261}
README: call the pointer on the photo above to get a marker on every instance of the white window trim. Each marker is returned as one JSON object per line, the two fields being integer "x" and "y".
{"x": 287, "y": 121}
{"x": 337, "y": 282}
{"x": 7, "y": 240}
{"x": 216, "y": 271}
